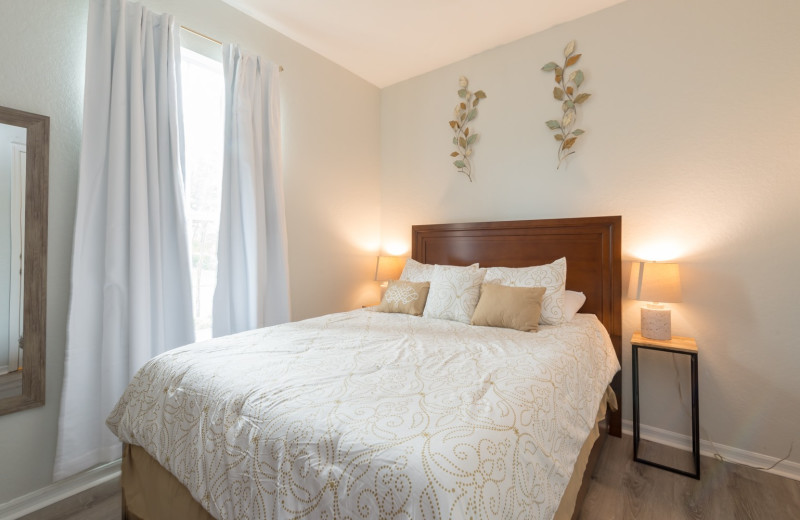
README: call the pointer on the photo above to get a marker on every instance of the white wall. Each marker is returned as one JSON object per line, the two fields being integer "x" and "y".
{"x": 331, "y": 162}
{"x": 692, "y": 136}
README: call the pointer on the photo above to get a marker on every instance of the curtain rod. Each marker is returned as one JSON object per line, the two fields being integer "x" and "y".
{"x": 209, "y": 38}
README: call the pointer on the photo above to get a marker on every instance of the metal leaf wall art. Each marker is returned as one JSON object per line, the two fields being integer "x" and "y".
{"x": 466, "y": 110}
{"x": 566, "y": 91}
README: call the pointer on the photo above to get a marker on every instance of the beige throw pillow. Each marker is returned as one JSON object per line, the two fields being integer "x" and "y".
{"x": 404, "y": 297}
{"x": 509, "y": 307}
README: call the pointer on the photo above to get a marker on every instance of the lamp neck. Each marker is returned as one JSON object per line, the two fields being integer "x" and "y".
{"x": 654, "y": 305}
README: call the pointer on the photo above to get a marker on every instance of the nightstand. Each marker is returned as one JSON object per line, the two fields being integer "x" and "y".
{"x": 676, "y": 345}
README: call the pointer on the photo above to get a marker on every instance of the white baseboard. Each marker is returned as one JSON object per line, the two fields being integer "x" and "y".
{"x": 786, "y": 468}
{"x": 58, "y": 491}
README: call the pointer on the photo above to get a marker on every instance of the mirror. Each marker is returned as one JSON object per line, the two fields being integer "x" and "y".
{"x": 24, "y": 161}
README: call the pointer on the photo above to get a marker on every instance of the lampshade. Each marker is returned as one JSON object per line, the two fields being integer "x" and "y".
{"x": 389, "y": 268}
{"x": 655, "y": 282}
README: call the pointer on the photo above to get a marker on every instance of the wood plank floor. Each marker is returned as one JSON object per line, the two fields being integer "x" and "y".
{"x": 624, "y": 490}
{"x": 103, "y": 502}
{"x": 621, "y": 490}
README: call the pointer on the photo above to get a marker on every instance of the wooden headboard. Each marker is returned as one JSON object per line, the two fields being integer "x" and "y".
{"x": 592, "y": 246}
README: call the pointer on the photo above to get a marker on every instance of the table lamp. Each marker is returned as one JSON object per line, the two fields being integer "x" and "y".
{"x": 389, "y": 268}
{"x": 656, "y": 283}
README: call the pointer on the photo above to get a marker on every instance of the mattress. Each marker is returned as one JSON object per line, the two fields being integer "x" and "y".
{"x": 366, "y": 415}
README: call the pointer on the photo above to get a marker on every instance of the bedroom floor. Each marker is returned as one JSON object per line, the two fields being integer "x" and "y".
{"x": 621, "y": 490}
{"x": 624, "y": 489}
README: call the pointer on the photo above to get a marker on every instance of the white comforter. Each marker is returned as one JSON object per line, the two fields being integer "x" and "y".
{"x": 370, "y": 415}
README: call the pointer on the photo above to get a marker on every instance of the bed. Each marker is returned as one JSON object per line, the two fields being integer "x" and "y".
{"x": 368, "y": 415}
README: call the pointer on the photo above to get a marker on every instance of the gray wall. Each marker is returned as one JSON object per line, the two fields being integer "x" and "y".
{"x": 690, "y": 137}
{"x": 331, "y": 163}
{"x": 42, "y": 47}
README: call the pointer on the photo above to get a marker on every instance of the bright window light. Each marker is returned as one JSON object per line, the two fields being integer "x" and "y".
{"x": 204, "y": 127}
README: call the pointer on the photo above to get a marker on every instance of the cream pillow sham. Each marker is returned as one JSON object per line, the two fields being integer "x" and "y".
{"x": 454, "y": 292}
{"x": 416, "y": 272}
{"x": 552, "y": 277}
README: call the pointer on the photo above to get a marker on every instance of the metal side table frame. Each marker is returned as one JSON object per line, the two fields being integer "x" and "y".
{"x": 677, "y": 345}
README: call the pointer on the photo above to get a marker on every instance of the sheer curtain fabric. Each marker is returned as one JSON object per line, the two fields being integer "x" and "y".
{"x": 131, "y": 290}
{"x": 253, "y": 269}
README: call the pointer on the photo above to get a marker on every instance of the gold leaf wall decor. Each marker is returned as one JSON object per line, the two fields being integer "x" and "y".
{"x": 466, "y": 110}
{"x": 566, "y": 92}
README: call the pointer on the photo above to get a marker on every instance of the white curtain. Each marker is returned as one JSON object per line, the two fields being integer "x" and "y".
{"x": 253, "y": 269}
{"x": 131, "y": 289}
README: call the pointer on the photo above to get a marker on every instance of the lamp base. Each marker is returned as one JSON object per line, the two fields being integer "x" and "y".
{"x": 656, "y": 323}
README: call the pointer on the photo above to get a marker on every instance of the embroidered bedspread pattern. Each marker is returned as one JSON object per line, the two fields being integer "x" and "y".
{"x": 368, "y": 415}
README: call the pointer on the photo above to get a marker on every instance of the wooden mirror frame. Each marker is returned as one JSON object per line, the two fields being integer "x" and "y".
{"x": 34, "y": 312}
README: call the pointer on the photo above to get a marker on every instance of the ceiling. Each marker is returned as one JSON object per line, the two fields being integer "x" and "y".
{"x": 387, "y": 41}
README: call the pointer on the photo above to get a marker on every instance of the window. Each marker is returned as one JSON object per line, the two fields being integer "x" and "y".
{"x": 204, "y": 126}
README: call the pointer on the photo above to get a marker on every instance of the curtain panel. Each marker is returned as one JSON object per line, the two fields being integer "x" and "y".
{"x": 253, "y": 268}
{"x": 131, "y": 293}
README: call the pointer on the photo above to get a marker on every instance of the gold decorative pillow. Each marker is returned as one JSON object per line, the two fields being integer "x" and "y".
{"x": 404, "y": 297}
{"x": 509, "y": 307}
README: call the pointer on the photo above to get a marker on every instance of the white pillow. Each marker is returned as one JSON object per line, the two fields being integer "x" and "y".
{"x": 416, "y": 272}
{"x": 454, "y": 292}
{"x": 573, "y": 301}
{"x": 552, "y": 277}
